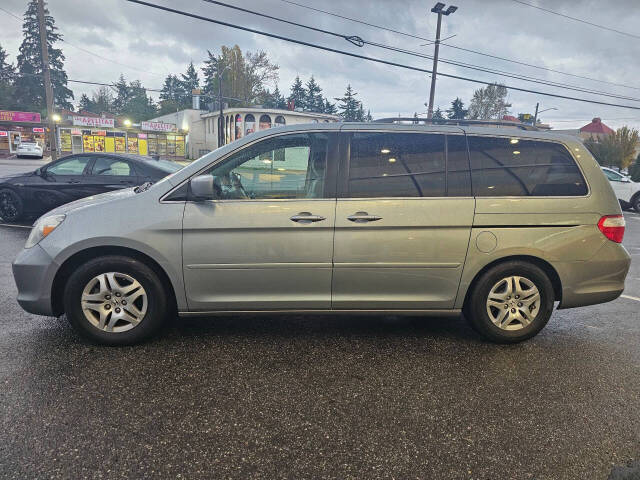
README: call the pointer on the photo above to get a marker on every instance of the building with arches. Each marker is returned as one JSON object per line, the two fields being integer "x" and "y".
{"x": 205, "y": 134}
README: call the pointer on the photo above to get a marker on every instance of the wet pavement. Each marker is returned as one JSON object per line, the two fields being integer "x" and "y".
{"x": 323, "y": 397}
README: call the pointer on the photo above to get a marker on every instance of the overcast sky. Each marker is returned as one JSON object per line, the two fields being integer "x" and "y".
{"x": 147, "y": 44}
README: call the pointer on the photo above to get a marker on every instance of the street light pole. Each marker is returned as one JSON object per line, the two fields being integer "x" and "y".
{"x": 439, "y": 9}
{"x": 48, "y": 89}
{"x": 535, "y": 117}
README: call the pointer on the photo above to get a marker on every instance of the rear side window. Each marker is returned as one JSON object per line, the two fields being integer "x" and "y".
{"x": 502, "y": 166}
{"x": 396, "y": 165}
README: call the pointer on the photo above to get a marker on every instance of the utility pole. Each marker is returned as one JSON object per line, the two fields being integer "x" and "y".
{"x": 48, "y": 89}
{"x": 439, "y": 9}
{"x": 535, "y": 116}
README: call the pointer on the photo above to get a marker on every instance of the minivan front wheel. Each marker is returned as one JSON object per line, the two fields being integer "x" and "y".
{"x": 115, "y": 300}
{"x": 510, "y": 302}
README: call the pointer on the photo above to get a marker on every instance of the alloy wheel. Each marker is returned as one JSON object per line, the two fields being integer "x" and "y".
{"x": 8, "y": 207}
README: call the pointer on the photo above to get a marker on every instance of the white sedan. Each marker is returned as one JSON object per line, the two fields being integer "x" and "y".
{"x": 29, "y": 149}
{"x": 627, "y": 190}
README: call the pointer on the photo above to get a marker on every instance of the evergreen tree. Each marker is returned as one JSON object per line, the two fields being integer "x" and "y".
{"x": 30, "y": 89}
{"x": 86, "y": 104}
{"x": 368, "y": 118}
{"x": 7, "y": 78}
{"x": 188, "y": 82}
{"x": 457, "y": 110}
{"x": 274, "y": 99}
{"x": 132, "y": 101}
{"x": 360, "y": 116}
{"x": 437, "y": 115}
{"x": 122, "y": 96}
{"x": 298, "y": 94}
{"x": 313, "y": 100}
{"x": 329, "y": 107}
{"x": 171, "y": 95}
{"x": 348, "y": 106}
{"x": 140, "y": 106}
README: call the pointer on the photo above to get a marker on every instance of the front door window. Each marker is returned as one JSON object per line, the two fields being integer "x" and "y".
{"x": 284, "y": 167}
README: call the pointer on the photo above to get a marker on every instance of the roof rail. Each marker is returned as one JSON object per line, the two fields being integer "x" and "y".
{"x": 438, "y": 121}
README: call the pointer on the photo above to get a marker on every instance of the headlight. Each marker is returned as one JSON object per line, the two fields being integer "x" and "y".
{"x": 42, "y": 228}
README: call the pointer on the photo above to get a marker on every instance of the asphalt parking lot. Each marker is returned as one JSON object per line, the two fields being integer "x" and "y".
{"x": 323, "y": 397}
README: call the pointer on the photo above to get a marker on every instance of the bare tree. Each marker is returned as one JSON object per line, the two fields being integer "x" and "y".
{"x": 489, "y": 102}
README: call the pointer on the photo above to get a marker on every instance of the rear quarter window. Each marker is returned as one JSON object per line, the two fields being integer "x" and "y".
{"x": 503, "y": 166}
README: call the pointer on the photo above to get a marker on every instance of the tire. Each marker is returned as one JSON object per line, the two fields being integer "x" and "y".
{"x": 518, "y": 322}
{"x": 11, "y": 205}
{"x": 635, "y": 203}
{"x": 111, "y": 300}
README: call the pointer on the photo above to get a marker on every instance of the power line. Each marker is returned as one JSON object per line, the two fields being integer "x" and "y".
{"x": 577, "y": 19}
{"x": 476, "y": 52}
{"x": 371, "y": 59}
{"x": 358, "y": 21}
{"x": 358, "y": 41}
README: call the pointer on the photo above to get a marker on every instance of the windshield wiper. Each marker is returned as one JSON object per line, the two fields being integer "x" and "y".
{"x": 142, "y": 188}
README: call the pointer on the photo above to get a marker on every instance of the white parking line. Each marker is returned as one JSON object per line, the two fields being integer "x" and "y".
{"x": 14, "y": 226}
{"x": 630, "y": 297}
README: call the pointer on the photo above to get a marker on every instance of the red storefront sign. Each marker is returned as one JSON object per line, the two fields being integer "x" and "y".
{"x": 38, "y": 130}
{"x": 3, "y": 134}
{"x": 10, "y": 116}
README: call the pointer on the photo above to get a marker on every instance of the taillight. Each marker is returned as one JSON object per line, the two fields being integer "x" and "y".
{"x": 612, "y": 227}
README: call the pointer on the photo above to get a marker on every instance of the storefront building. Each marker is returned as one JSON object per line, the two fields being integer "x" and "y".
{"x": 18, "y": 127}
{"x": 88, "y": 133}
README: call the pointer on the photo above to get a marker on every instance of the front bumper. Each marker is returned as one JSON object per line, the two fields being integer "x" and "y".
{"x": 33, "y": 272}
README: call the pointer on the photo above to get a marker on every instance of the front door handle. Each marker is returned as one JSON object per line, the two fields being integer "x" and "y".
{"x": 307, "y": 217}
{"x": 363, "y": 217}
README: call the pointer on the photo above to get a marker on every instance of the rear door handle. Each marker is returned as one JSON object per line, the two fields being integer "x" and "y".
{"x": 363, "y": 217}
{"x": 307, "y": 217}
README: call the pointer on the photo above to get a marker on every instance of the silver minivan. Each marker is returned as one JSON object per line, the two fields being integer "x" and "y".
{"x": 495, "y": 223}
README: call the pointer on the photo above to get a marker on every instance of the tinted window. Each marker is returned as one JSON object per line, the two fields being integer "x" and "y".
{"x": 72, "y": 166}
{"x": 288, "y": 166}
{"x": 504, "y": 166}
{"x": 396, "y": 165}
{"x": 112, "y": 166}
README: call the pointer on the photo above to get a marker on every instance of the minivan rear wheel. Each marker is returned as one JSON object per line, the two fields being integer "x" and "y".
{"x": 635, "y": 203}
{"x": 510, "y": 302}
{"x": 115, "y": 300}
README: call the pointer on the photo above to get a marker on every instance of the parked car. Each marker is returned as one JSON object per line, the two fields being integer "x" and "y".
{"x": 74, "y": 177}
{"x": 29, "y": 149}
{"x": 627, "y": 191}
{"x": 342, "y": 218}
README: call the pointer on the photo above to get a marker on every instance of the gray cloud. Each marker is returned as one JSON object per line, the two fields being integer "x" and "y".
{"x": 156, "y": 43}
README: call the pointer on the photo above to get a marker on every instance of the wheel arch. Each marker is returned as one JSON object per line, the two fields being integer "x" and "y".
{"x": 549, "y": 270}
{"x": 78, "y": 258}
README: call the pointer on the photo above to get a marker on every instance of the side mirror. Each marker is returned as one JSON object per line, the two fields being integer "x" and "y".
{"x": 202, "y": 187}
